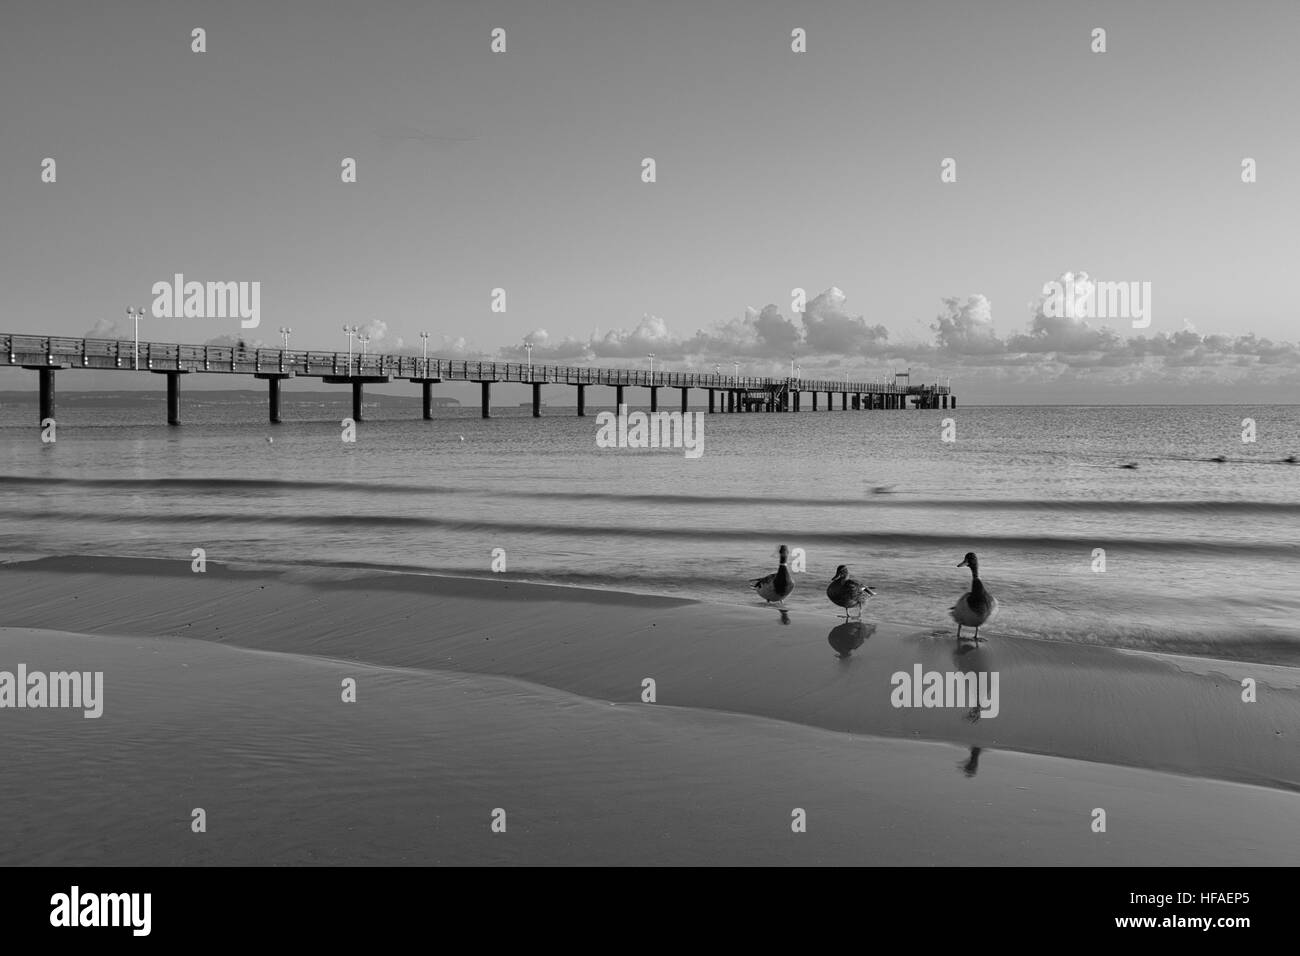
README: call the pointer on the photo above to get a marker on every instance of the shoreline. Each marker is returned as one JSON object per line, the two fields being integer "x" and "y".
{"x": 1083, "y": 702}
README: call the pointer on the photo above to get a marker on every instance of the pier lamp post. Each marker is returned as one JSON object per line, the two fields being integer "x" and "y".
{"x": 137, "y": 315}
{"x": 798, "y": 371}
{"x": 424, "y": 351}
{"x": 792, "y": 366}
{"x": 528, "y": 347}
{"x": 350, "y": 331}
{"x": 651, "y": 357}
{"x": 735, "y": 370}
{"x": 284, "y": 333}
{"x": 364, "y": 340}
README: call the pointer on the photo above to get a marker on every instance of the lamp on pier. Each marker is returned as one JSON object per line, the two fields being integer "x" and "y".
{"x": 350, "y": 331}
{"x": 137, "y": 315}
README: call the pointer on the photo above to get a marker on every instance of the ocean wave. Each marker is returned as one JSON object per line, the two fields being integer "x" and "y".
{"x": 682, "y": 531}
{"x": 871, "y": 498}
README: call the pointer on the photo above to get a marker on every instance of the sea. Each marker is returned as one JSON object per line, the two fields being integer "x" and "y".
{"x": 1137, "y": 527}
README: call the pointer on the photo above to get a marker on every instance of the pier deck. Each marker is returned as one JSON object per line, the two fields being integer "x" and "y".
{"x": 47, "y": 355}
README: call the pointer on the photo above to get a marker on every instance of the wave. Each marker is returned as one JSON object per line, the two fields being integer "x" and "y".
{"x": 873, "y": 499}
{"x": 681, "y": 532}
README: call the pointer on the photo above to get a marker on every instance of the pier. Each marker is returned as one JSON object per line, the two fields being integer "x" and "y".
{"x": 47, "y": 355}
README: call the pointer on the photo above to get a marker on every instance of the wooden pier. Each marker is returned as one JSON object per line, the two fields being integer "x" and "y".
{"x": 47, "y": 355}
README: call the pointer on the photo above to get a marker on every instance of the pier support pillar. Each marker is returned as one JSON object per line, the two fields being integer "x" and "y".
{"x": 356, "y": 401}
{"x": 537, "y": 400}
{"x": 731, "y": 401}
{"x": 952, "y": 401}
{"x": 582, "y": 401}
{"x": 654, "y": 398}
{"x": 47, "y": 394}
{"x": 814, "y": 408}
{"x": 618, "y": 397}
{"x": 426, "y": 399}
{"x": 712, "y": 406}
{"x": 273, "y": 395}
{"x": 685, "y": 399}
{"x": 173, "y": 398}
{"x": 487, "y": 399}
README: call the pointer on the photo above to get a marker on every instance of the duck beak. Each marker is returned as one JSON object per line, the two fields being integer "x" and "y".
{"x": 963, "y": 564}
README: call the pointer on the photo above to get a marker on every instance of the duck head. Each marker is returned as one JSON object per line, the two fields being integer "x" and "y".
{"x": 784, "y": 552}
{"x": 841, "y": 572}
{"x": 970, "y": 561}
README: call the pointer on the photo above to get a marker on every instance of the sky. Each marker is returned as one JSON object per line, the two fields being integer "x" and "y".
{"x": 775, "y": 170}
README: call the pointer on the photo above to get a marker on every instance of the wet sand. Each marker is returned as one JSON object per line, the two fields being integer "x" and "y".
{"x": 222, "y": 691}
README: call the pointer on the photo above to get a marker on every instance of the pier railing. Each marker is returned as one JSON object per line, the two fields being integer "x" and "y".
{"x": 32, "y": 351}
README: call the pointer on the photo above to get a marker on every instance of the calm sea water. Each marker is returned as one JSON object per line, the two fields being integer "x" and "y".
{"x": 1201, "y": 557}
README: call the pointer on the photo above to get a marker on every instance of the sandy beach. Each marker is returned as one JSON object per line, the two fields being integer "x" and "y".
{"x": 222, "y": 691}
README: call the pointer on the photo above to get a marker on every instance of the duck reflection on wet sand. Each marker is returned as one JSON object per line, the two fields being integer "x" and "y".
{"x": 971, "y": 659}
{"x": 848, "y": 637}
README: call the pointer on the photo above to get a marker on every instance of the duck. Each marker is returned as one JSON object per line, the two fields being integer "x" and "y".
{"x": 776, "y": 586}
{"x": 846, "y": 592}
{"x": 977, "y": 605}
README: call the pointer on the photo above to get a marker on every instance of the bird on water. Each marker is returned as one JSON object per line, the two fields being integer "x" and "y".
{"x": 776, "y": 586}
{"x": 846, "y": 592}
{"x": 977, "y": 605}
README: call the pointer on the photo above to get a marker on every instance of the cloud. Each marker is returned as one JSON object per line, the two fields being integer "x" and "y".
{"x": 965, "y": 327}
{"x": 1064, "y": 333}
{"x": 376, "y": 330}
{"x": 108, "y": 329}
{"x": 825, "y": 328}
{"x": 828, "y": 327}
{"x": 827, "y": 338}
